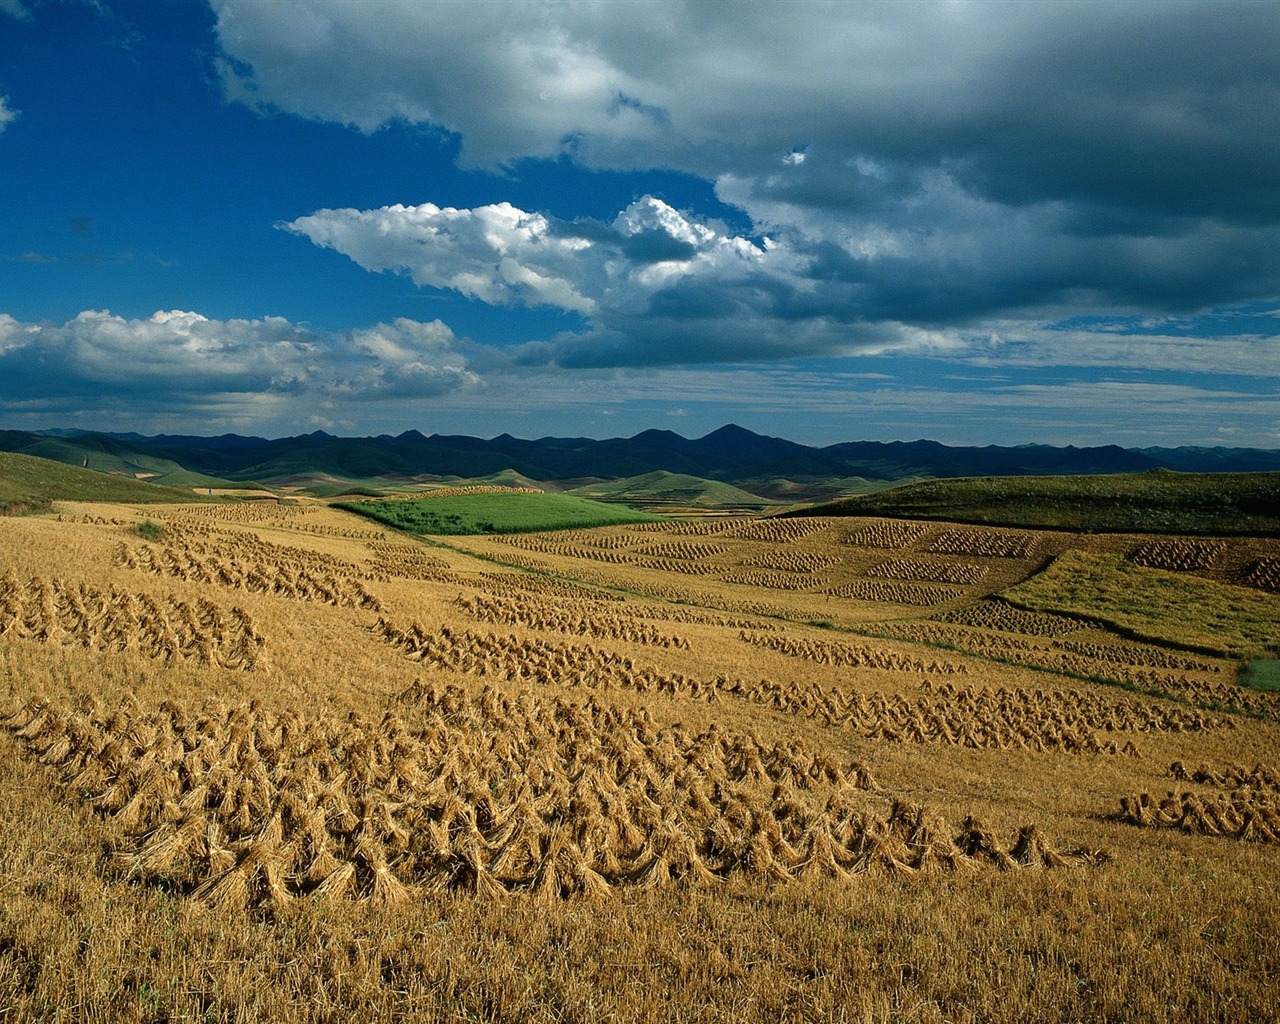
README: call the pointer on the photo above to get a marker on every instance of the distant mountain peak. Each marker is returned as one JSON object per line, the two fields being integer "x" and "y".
{"x": 732, "y": 431}
{"x": 654, "y": 433}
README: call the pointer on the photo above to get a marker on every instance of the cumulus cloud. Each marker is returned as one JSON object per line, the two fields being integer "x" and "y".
{"x": 7, "y": 114}
{"x": 502, "y": 255}
{"x": 220, "y": 371}
{"x": 497, "y": 254}
{"x": 654, "y": 285}
{"x": 405, "y": 359}
{"x": 658, "y": 286}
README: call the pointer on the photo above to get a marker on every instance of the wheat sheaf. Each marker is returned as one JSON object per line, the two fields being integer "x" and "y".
{"x": 490, "y": 793}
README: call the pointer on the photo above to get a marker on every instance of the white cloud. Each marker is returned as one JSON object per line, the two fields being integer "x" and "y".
{"x": 1034, "y": 345}
{"x": 176, "y": 363}
{"x": 679, "y": 83}
{"x": 652, "y": 264}
{"x": 15, "y": 9}
{"x": 654, "y": 286}
{"x": 516, "y": 79}
{"x": 6, "y": 113}
{"x": 497, "y": 254}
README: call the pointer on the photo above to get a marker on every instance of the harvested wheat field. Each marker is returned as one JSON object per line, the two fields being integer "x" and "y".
{"x": 275, "y": 762}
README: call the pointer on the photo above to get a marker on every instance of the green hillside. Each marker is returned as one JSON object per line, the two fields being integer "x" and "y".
{"x": 118, "y": 459}
{"x": 808, "y": 491}
{"x": 671, "y": 490}
{"x": 30, "y": 484}
{"x": 512, "y": 512}
{"x": 1160, "y": 501}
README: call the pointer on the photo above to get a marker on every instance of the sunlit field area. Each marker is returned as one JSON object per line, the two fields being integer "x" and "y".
{"x": 269, "y": 761}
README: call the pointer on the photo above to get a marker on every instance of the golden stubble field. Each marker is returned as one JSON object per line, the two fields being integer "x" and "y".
{"x": 276, "y": 763}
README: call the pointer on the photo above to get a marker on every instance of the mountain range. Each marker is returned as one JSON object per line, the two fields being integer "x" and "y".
{"x": 770, "y": 468}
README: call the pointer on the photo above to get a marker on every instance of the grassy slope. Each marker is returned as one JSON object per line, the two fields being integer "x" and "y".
{"x": 671, "y": 489}
{"x": 1166, "y": 607}
{"x": 164, "y": 472}
{"x": 1157, "y": 502}
{"x": 809, "y": 491}
{"x": 495, "y": 513}
{"x": 33, "y": 483}
{"x": 327, "y": 485}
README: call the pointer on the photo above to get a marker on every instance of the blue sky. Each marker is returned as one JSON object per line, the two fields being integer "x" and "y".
{"x": 981, "y": 223}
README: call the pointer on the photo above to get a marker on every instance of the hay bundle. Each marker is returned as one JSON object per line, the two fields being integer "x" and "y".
{"x": 467, "y": 871}
{"x": 340, "y": 884}
{"x": 877, "y": 848}
{"x": 930, "y": 843}
{"x": 823, "y": 856}
{"x": 376, "y": 881}
{"x": 977, "y": 840}
{"x": 310, "y": 854}
{"x": 1033, "y": 850}
{"x": 166, "y": 845}
{"x": 578, "y": 874}
{"x": 228, "y": 890}
{"x": 1137, "y": 810}
{"x": 762, "y": 848}
{"x": 517, "y": 860}
{"x": 546, "y": 882}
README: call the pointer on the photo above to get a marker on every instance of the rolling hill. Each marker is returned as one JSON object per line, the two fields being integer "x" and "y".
{"x": 661, "y": 489}
{"x": 766, "y": 468}
{"x": 1158, "y": 501}
{"x": 31, "y": 483}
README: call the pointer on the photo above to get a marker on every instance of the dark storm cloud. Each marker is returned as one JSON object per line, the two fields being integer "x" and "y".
{"x": 916, "y": 166}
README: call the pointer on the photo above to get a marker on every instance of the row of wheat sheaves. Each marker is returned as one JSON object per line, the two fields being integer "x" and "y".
{"x": 485, "y": 792}
{"x": 1000, "y": 718}
{"x": 1241, "y": 803}
{"x": 171, "y": 630}
{"x": 255, "y": 566}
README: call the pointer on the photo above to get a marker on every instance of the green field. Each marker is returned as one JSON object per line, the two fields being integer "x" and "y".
{"x": 1262, "y": 674}
{"x": 515, "y": 512}
{"x": 29, "y": 484}
{"x": 1157, "y": 502}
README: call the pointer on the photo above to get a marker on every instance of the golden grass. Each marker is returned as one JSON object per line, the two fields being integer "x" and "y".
{"x": 445, "y": 790}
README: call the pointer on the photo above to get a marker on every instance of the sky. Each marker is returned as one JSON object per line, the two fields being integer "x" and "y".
{"x": 974, "y": 222}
